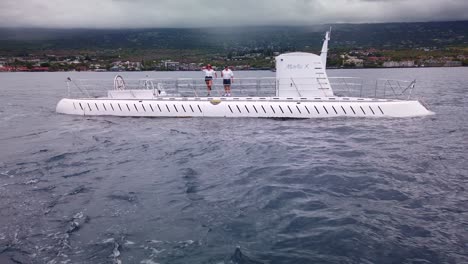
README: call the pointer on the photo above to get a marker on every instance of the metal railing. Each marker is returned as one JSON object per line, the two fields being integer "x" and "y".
{"x": 185, "y": 87}
{"x": 380, "y": 88}
{"x": 245, "y": 87}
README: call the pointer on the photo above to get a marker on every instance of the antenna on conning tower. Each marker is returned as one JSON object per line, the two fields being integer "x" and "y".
{"x": 324, "y": 53}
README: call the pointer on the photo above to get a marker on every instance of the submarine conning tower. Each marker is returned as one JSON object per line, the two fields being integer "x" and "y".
{"x": 300, "y": 74}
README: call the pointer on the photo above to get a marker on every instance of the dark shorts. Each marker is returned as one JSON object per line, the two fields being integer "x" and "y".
{"x": 227, "y": 81}
{"x": 208, "y": 78}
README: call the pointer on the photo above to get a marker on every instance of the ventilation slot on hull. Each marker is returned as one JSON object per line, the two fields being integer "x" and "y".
{"x": 281, "y": 109}
{"x": 151, "y": 107}
{"x": 264, "y": 109}
{"x": 247, "y": 109}
{"x": 352, "y": 109}
{"x": 255, "y": 109}
{"x": 105, "y": 108}
{"x": 305, "y": 106}
{"x": 238, "y": 109}
{"x": 362, "y": 110}
{"x": 89, "y": 107}
{"x": 128, "y": 107}
{"x": 120, "y": 107}
{"x": 168, "y": 110}
{"x": 230, "y": 109}
{"x": 299, "y": 110}
{"x": 326, "y": 110}
{"x": 176, "y": 109}
{"x": 380, "y": 110}
{"x": 81, "y": 106}
{"x": 372, "y": 110}
{"x": 290, "y": 109}
{"x": 199, "y": 109}
{"x": 183, "y": 108}
{"x": 316, "y": 109}
{"x": 274, "y": 112}
{"x": 135, "y": 107}
{"x": 159, "y": 108}
{"x": 334, "y": 109}
{"x": 97, "y": 108}
{"x": 344, "y": 111}
{"x": 143, "y": 106}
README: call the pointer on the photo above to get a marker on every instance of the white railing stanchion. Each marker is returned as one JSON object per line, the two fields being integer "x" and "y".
{"x": 68, "y": 86}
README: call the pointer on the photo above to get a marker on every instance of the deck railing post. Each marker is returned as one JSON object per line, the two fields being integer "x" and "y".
{"x": 194, "y": 87}
{"x": 360, "y": 92}
{"x": 241, "y": 89}
{"x": 257, "y": 92}
{"x": 68, "y": 89}
{"x": 343, "y": 80}
{"x": 385, "y": 90}
{"x": 375, "y": 88}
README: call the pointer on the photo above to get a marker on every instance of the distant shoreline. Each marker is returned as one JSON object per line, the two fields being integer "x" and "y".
{"x": 269, "y": 70}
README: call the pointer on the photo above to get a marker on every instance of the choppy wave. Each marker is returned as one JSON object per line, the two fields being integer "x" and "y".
{"x": 137, "y": 190}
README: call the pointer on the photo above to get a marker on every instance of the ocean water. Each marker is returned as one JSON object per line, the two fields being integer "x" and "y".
{"x": 208, "y": 190}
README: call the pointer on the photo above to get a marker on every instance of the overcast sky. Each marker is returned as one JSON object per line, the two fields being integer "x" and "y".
{"x": 196, "y": 13}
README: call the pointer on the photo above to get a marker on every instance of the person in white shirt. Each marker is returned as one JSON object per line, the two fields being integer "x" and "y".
{"x": 209, "y": 73}
{"x": 228, "y": 79}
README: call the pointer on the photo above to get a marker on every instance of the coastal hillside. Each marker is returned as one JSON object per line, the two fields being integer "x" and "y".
{"x": 352, "y": 45}
{"x": 389, "y": 35}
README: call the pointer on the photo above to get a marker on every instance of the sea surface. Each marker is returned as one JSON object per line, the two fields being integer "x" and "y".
{"x": 212, "y": 190}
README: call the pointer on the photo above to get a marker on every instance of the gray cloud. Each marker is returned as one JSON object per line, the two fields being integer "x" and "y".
{"x": 193, "y": 13}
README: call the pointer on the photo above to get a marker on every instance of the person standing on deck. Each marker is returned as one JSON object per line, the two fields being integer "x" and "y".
{"x": 209, "y": 73}
{"x": 228, "y": 79}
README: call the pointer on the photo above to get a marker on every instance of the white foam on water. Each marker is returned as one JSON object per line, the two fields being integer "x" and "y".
{"x": 32, "y": 181}
{"x": 109, "y": 240}
{"x": 148, "y": 261}
{"x": 155, "y": 241}
{"x": 156, "y": 252}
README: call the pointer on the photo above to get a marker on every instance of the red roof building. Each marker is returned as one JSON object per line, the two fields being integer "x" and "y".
{"x": 40, "y": 69}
